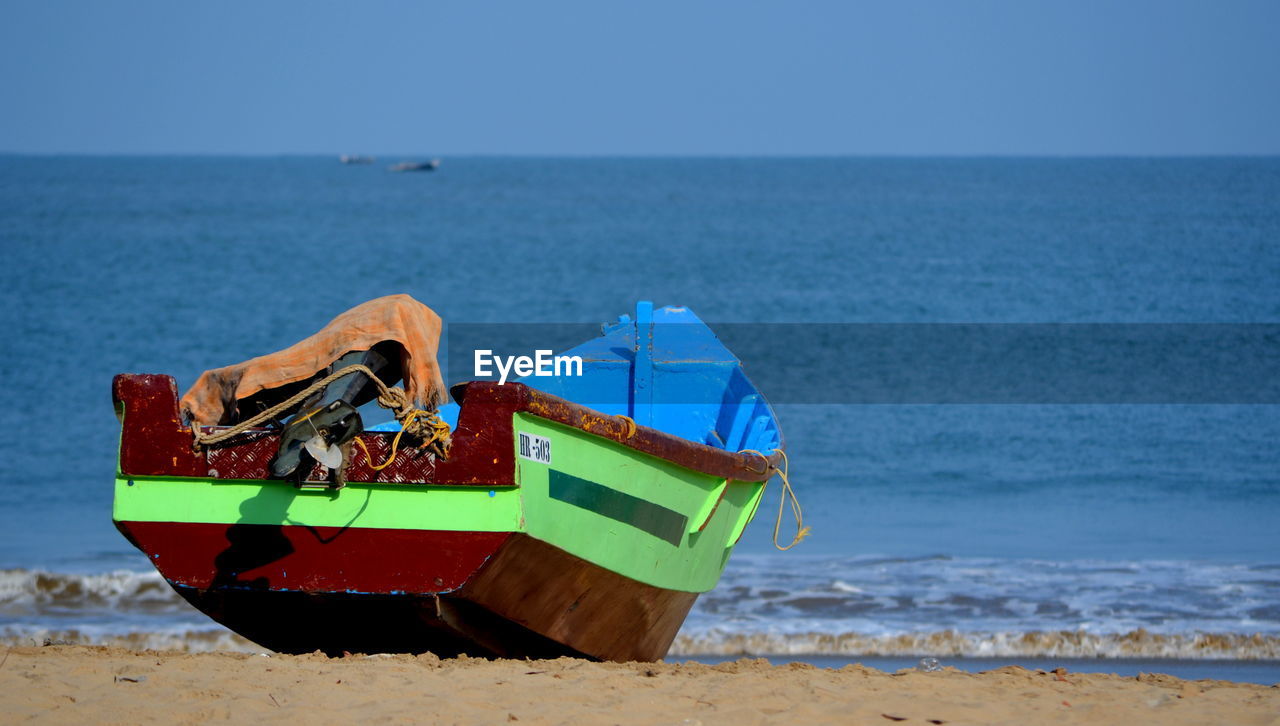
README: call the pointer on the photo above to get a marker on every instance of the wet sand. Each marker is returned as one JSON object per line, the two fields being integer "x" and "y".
{"x": 79, "y": 684}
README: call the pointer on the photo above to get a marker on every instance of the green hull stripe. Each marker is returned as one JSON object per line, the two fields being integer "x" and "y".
{"x": 223, "y": 501}
{"x": 665, "y": 524}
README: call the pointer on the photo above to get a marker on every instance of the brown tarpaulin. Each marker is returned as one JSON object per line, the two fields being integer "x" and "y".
{"x": 398, "y": 318}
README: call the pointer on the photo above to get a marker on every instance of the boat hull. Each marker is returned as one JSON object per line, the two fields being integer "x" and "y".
{"x": 297, "y": 589}
{"x": 598, "y": 547}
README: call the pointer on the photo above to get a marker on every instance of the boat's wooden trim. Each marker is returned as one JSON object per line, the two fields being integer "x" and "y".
{"x": 154, "y": 442}
{"x": 691, "y": 455}
{"x": 571, "y": 601}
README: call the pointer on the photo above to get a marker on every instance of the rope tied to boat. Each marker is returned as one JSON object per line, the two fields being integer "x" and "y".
{"x": 630, "y": 422}
{"x": 788, "y": 495}
{"x": 426, "y": 426}
{"x": 429, "y": 430}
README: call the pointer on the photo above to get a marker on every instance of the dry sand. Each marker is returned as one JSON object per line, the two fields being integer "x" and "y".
{"x": 85, "y": 684}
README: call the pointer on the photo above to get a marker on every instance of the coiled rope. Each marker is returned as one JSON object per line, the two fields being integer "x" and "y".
{"x": 788, "y": 495}
{"x": 424, "y": 425}
{"x": 439, "y": 430}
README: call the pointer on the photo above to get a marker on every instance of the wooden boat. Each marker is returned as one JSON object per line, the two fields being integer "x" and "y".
{"x": 551, "y": 529}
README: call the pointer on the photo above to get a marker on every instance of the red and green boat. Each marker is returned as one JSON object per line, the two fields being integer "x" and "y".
{"x": 552, "y": 528}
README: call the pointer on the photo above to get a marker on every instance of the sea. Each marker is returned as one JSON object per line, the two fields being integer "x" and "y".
{"x": 1113, "y": 532}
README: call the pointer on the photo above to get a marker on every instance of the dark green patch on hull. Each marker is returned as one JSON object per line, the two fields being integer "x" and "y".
{"x": 665, "y": 524}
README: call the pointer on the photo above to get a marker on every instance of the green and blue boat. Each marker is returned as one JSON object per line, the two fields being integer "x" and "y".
{"x": 552, "y": 528}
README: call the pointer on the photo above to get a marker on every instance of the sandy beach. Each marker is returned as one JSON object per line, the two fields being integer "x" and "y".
{"x": 79, "y": 684}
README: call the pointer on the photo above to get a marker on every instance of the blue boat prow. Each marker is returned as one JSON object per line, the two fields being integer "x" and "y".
{"x": 666, "y": 369}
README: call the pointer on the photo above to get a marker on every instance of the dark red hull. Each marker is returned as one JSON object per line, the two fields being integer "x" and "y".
{"x": 298, "y": 589}
{"x": 313, "y": 559}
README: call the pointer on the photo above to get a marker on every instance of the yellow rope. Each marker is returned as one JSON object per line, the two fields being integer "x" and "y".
{"x": 425, "y": 425}
{"x": 439, "y": 431}
{"x": 788, "y": 494}
{"x": 631, "y": 425}
{"x": 763, "y": 469}
{"x": 369, "y": 458}
{"x": 270, "y": 413}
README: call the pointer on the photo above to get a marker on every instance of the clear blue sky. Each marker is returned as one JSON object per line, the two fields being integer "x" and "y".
{"x": 598, "y": 77}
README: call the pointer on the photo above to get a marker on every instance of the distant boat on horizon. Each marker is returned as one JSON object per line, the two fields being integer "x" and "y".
{"x": 415, "y": 166}
{"x": 356, "y": 159}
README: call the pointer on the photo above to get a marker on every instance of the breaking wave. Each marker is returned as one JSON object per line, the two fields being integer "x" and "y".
{"x": 1000, "y": 606}
{"x": 769, "y": 606}
{"x": 186, "y": 641}
{"x": 58, "y": 594}
{"x": 1134, "y": 644}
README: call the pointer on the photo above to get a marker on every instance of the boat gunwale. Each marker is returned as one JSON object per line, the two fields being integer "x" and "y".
{"x": 734, "y": 465}
{"x": 155, "y": 442}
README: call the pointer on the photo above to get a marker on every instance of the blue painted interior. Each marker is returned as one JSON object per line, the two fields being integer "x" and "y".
{"x": 666, "y": 369}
